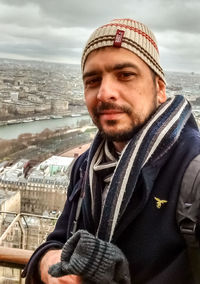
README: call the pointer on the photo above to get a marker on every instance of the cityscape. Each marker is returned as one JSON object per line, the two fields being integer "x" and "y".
{"x": 42, "y": 106}
{"x": 38, "y": 90}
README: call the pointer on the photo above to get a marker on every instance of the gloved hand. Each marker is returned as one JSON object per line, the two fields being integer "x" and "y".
{"x": 95, "y": 260}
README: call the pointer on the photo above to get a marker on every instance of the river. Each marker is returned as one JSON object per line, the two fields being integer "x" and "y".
{"x": 14, "y": 130}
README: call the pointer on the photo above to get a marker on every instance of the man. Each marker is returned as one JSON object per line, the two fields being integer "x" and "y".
{"x": 119, "y": 221}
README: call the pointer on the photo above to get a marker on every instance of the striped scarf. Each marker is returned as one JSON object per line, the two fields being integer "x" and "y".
{"x": 153, "y": 141}
{"x": 104, "y": 168}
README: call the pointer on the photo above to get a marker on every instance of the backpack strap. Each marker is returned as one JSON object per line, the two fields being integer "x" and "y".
{"x": 75, "y": 191}
{"x": 188, "y": 214}
{"x": 78, "y": 166}
{"x": 188, "y": 208}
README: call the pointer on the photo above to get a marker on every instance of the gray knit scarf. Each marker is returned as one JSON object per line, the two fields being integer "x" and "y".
{"x": 153, "y": 141}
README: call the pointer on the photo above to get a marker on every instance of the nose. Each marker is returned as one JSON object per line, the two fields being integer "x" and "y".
{"x": 107, "y": 90}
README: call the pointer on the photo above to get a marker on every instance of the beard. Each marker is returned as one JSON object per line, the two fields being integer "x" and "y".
{"x": 125, "y": 134}
{"x": 120, "y": 136}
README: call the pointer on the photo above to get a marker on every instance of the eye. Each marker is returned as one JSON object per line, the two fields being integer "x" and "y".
{"x": 126, "y": 75}
{"x": 92, "y": 82}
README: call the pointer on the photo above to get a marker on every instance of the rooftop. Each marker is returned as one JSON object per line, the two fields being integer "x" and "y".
{"x": 75, "y": 152}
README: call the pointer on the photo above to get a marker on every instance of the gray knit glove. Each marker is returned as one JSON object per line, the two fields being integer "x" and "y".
{"x": 95, "y": 260}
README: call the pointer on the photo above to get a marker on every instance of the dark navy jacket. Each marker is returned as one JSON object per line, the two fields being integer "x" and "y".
{"x": 148, "y": 235}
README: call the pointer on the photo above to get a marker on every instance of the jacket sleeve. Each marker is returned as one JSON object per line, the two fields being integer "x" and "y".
{"x": 61, "y": 233}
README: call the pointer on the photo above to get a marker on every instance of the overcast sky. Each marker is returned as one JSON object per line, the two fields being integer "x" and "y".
{"x": 56, "y": 30}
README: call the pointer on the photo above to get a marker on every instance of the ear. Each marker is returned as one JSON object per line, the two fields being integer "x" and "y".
{"x": 161, "y": 91}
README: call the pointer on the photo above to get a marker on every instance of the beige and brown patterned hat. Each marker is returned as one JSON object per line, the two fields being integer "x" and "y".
{"x": 128, "y": 34}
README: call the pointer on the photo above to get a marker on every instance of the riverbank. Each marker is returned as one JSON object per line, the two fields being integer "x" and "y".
{"x": 13, "y": 131}
{"x": 41, "y": 146}
{"x": 41, "y": 117}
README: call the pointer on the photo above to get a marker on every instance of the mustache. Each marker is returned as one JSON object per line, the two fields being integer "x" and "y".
{"x": 110, "y": 106}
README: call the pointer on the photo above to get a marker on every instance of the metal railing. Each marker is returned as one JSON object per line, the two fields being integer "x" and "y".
{"x": 29, "y": 235}
{"x": 14, "y": 257}
{"x": 12, "y": 261}
{"x": 20, "y": 235}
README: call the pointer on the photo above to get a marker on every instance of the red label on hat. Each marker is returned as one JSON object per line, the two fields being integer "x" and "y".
{"x": 118, "y": 38}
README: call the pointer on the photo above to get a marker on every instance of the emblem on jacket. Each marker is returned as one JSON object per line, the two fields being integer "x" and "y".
{"x": 159, "y": 202}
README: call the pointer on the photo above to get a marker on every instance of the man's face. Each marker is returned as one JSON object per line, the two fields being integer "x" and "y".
{"x": 120, "y": 92}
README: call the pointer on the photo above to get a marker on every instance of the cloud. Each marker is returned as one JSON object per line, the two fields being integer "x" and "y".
{"x": 180, "y": 50}
{"x": 58, "y": 30}
{"x": 171, "y": 15}
{"x": 162, "y": 15}
{"x": 24, "y": 32}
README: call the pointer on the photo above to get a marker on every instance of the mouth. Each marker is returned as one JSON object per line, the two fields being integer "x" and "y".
{"x": 110, "y": 114}
{"x": 109, "y": 111}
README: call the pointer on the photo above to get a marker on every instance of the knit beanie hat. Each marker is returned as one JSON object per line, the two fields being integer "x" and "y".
{"x": 128, "y": 34}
